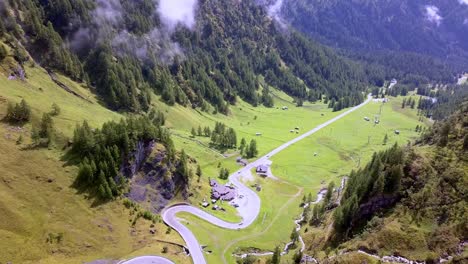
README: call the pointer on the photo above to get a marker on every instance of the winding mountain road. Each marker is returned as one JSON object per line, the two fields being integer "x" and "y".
{"x": 249, "y": 205}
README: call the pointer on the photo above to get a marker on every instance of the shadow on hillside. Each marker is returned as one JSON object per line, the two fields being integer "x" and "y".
{"x": 90, "y": 194}
{"x": 69, "y": 158}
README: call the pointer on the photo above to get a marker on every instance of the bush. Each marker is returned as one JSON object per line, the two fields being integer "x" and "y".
{"x": 19, "y": 113}
{"x": 165, "y": 250}
{"x": 55, "y": 110}
{"x": 147, "y": 215}
{"x": 224, "y": 174}
{"x": 3, "y": 52}
{"x": 42, "y": 134}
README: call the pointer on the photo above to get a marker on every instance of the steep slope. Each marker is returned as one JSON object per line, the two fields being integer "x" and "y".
{"x": 127, "y": 50}
{"x": 407, "y": 201}
{"x": 389, "y": 30}
{"x": 44, "y": 219}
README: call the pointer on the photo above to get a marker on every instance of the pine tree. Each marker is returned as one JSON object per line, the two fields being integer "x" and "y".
{"x": 19, "y": 113}
{"x": 329, "y": 194}
{"x": 379, "y": 185}
{"x": 199, "y": 131}
{"x": 182, "y": 168}
{"x": 294, "y": 235}
{"x": 385, "y": 140}
{"x": 252, "y": 149}
{"x": 403, "y": 104}
{"x": 242, "y": 146}
{"x": 55, "y": 110}
{"x": 102, "y": 191}
{"x": 46, "y": 126}
{"x": 297, "y": 258}
{"x": 85, "y": 173}
{"x": 3, "y": 52}
{"x": 276, "y": 259}
{"x": 193, "y": 132}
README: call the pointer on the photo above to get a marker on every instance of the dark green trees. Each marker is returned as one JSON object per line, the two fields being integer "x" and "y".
{"x": 380, "y": 177}
{"x": 276, "y": 259}
{"x": 19, "y": 113}
{"x": 223, "y": 136}
{"x": 250, "y": 150}
{"x": 223, "y": 174}
{"x": 101, "y": 152}
{"x": 3, "y": 52}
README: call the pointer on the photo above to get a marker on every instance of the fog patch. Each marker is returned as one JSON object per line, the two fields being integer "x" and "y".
{"x": 432, "y": 15}
{"x": 178, "y": 12}
{"x": 107, "y": 27}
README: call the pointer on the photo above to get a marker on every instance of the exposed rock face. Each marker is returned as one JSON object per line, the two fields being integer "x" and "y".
{"x": 376, "y": 204}
{"x": 153, "y": 181}
{"x": 131, "y": 166}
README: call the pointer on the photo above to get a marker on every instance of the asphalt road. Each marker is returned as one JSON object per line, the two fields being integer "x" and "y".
{"x": 249, "y": 205}
{"x": 148, "y": 260}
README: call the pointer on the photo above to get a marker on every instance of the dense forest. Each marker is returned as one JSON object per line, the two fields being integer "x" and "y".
{"x": 426, "y": 181}
{"x": 410, "y": 39}
{"x": 125, "y": 50}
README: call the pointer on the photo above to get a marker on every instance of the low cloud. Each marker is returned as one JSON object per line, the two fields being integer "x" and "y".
{"x": 463, "y": 2}
{"x": 178, "y": 12}
{"x": 274, "y": 11}
{"x": 432, "y": 14}
{"x": 107, "y": 11}
{"x": 156, "y": 45}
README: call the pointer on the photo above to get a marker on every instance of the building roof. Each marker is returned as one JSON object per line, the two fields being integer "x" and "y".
{"x": 218, "y": 191}
{"x": 262, "y": 168}
{"x": 213, "y": 183}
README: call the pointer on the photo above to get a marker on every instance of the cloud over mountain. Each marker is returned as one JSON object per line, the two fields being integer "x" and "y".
{"x": 432, "y": 14}
{"x": 178, "y": 12}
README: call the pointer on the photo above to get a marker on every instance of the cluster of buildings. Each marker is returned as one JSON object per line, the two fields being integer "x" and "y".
{"x": 222, "y": 192}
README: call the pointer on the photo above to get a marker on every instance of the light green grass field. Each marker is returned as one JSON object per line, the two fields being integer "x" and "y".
{"x": 346, "y": 144}
{"x": 40, "y": 92}
{"x": 342, "y": 146}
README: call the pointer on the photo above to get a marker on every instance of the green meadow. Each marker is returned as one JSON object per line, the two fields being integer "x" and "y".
{"x": 339, "y": 148}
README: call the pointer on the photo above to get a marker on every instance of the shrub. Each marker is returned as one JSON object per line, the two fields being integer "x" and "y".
{"x": 19, "y": 113}
{"x": 55, "y": 110}
{"x": 3, "y": 52}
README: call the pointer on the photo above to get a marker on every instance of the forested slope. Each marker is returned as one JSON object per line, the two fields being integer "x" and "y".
{"x": 411, "y": 200}
{"x": 429, "y": 36}
{"x": 127, "y": 50}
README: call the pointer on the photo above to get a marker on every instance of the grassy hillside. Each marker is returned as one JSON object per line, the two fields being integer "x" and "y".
{"x": 37, "y": 200}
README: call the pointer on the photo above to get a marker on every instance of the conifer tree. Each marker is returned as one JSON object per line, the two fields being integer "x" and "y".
{"x": 276, "y": 259}
{"x": 385, "y": 140}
